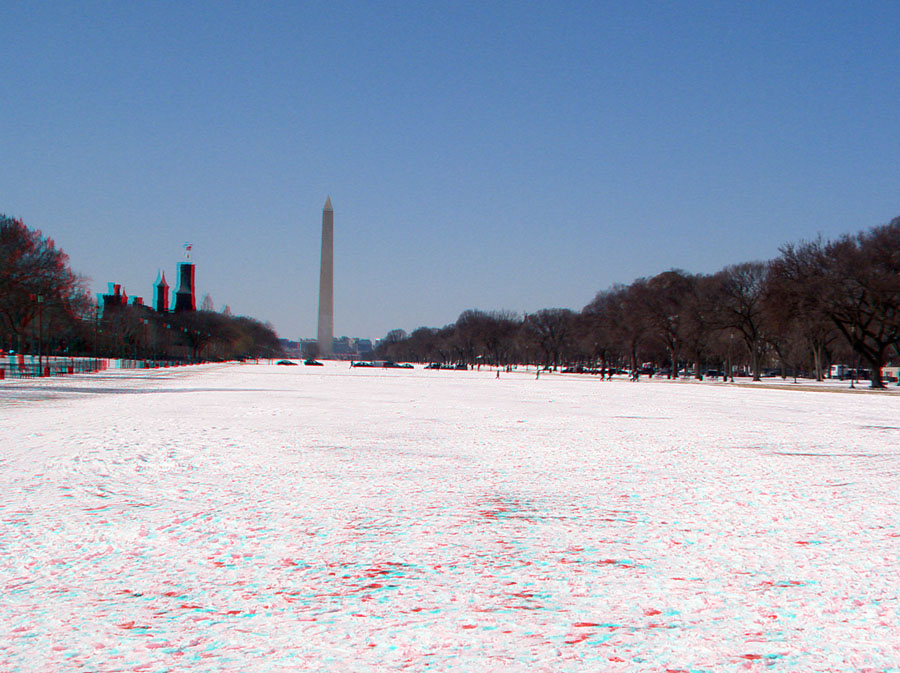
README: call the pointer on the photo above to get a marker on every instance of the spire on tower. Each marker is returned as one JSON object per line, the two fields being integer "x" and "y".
{"x": 161, "y": 296}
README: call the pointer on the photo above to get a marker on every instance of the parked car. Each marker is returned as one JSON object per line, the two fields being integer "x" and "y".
{"x": 312, "y": 363}
{"x": 580, "y": 369}
{"x": 286, "y": 363}
{"x": 388, "y": 364}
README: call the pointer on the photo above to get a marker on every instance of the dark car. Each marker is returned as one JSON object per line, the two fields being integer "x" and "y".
{"x": 313, "y": 363}
{"x": 393, "y": 365}
{"x": 286, "y": 363}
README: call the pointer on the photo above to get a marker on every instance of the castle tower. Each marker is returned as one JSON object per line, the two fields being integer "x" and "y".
{"x": 161, "y": 293}
{"x": 326, "y": 282}
{"x": 184, "y": 296}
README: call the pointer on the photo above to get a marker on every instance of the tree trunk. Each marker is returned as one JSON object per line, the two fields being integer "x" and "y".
{"x": 875, "y": 362}
{"x": 755, "y": 361}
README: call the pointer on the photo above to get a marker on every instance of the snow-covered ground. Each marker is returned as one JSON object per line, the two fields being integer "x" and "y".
{"x": 263, "y": 518}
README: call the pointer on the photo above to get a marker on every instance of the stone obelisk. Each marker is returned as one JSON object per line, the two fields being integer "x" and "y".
{"x": 326, "y": 282}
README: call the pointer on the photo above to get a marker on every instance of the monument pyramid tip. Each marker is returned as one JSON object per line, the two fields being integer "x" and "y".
{"x": 327, "y": 204}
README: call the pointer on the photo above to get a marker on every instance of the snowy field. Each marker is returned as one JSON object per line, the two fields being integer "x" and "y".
{"x": 262, "y": 518}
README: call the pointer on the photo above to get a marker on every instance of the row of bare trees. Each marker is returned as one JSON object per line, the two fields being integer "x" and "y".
{"x": 39, "y": 293}
{"x": 45, "y": 308}
{"x": 818, "y": 303}
{"x": 137, "y": 331}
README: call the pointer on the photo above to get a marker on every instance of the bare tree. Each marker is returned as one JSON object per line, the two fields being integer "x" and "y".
{"x": 699, "y": 322}
{"x": 741, "y": 292}
{"x": 469, "y": 335}
{"x": 855, "y": 282}
{"x": 795, "y": 313}
{"x": 663, "y": 301}
{"x": 552, "y": 329}
{"x": 421, "y": 345}
{"x": 34, "y": 278}
{"x": 390, "y": 348}
{"x": 602, "y": 318}
{"x": 498, "y": 337}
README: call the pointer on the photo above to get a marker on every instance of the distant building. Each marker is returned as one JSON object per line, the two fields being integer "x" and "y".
{"x": 161, "y": 293}
{"x": 342, "y": 348}
{"x": 185, "y": 299}
{"x": 116, "y": 299}
{"x": 291, "y": 349}
{"x": 185, "y": 295}
{"x": 113, "y": 300}
{"x": 364, "y": 347}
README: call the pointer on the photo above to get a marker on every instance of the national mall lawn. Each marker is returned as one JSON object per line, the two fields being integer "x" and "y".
{"x": 251, "y": 517}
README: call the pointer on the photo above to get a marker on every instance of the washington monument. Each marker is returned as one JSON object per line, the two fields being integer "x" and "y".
{"x": 326, "y": 282}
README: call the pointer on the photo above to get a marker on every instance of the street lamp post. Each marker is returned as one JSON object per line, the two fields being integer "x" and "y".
{"x": 730, "y": 352}
{"x": 96, "y": 324}
{"x": 40, "y": 301}
{"x": 144, "y": 337}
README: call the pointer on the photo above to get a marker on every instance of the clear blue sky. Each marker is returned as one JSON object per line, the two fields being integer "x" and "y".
{"x": 479, "y": 155}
